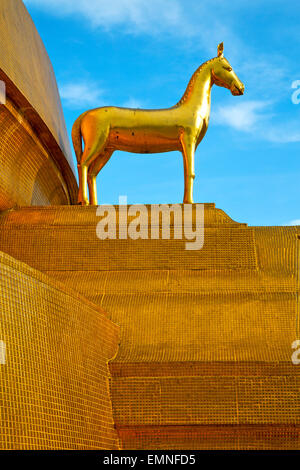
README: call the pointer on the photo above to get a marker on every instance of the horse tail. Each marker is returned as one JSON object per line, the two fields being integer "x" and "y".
{"x": 77, "y": 137}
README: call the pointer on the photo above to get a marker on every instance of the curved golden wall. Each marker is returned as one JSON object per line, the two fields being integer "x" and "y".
{"x": 28, "y": 174}
{"x": 54, "y": 384}
{"x": 35, "y": 152}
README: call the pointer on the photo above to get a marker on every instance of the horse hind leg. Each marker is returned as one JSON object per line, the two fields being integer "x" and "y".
{"x": 93, "y": 171}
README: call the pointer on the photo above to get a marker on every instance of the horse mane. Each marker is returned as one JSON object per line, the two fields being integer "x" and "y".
{"x": 192, "y": 81}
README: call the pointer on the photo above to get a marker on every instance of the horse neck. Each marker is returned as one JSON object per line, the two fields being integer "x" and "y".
{"x": 199, "y": 89}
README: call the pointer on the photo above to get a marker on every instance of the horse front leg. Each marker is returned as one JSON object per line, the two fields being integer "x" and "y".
{"x": 82, "y": 192}
{"x": 188, "y": 152}
{"x": 92, "y": 184}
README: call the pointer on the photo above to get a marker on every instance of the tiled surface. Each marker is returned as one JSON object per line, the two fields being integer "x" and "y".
{"x": 54, "y": 385}
{"x": 203, "y": 437}
{"x": 226, "y": 245}
{"x": 205, "y": 351}
{"x": 28, "y": 174}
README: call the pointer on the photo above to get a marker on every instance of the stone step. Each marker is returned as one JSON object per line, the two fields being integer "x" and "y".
{"x": 204, "y": 327}
{"x": 206, "y": 405}
{"x": 208, "y": 437}
{"x": 65, "y": 239}
{"x": 94, "y": 284}
{"x": 224, "y": 399}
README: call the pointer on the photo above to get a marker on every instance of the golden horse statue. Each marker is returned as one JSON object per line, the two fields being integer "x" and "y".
{"x": 181, "y": 127}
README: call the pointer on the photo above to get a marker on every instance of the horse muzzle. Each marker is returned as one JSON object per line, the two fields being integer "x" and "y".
{"x": 237, "y": 90}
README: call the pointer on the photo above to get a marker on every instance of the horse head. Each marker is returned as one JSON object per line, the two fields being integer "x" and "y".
{"x": 223, "y": 74}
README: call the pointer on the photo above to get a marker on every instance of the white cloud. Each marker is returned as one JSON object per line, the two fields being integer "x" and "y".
{"x": 80, "y": 94}
{"x": 179, "y": 18}
{"x": 197, "y": 25}
{"x": 294, "y": 222}
{"x": 132, "y": 103}
{"x": 242, "y": 116}
{"x": 284, "y": 133}
{"x": 265, "y": 74}
{"x": 254, "y": 117}
{"x": 140, "y": 15}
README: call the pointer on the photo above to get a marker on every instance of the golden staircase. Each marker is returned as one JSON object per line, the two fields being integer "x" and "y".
{"x": 204, "y": 360}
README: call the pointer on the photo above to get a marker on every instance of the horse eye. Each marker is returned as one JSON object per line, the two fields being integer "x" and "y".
{"x": 228, "y": 68}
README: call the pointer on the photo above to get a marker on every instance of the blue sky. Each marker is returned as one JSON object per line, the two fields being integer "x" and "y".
{"x": 142, "y": 53}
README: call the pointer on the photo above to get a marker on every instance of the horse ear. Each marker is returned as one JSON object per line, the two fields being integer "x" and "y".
{"x": 220, "y": 49}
